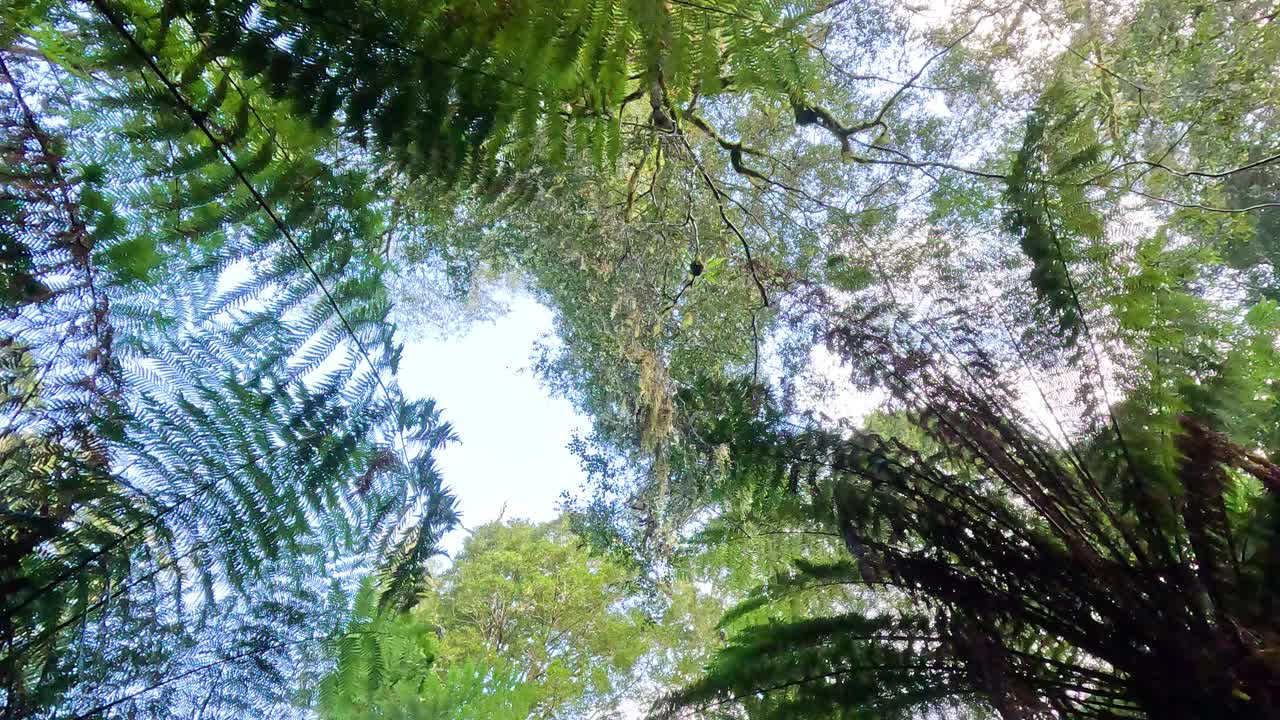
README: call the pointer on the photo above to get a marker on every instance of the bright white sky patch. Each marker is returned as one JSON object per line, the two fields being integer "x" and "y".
{"x": 514, "y": 434}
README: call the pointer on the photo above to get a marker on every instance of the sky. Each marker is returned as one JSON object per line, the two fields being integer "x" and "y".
{"x": 513, "y": 433}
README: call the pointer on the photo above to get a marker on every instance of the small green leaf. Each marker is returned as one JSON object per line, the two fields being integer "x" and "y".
{"x": 134, "y": 260}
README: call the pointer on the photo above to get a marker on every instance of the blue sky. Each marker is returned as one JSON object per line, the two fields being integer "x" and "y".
{"x": 514, "y": 434}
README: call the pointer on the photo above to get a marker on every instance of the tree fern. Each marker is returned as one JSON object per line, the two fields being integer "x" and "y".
{"x": 1013, "y": 555}
{"x": 449, "y": 89}
{"x": 1049, "y": 211}
{"x": 224, "y": 473}
{"x": 829, "y": 667}
{"x": 196, "y": 459}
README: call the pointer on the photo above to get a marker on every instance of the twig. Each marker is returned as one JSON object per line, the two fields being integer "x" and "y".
{"x": 719, "y": 196}
{"x": 1198, "y": 206}
{"x": 815, "y": 115}
{"x": 1211, "y": 175}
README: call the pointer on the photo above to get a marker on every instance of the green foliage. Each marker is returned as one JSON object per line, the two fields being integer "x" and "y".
{"x": 404, "y": 569}
{"x": 205, "y": 205}
{"x": 827, "y": 667}
{"x": 524, "y": 623}
{"x": 227, "y": 475}
{"x": 846, "y": 277}
{"x": 533, "y": 596}
{"x": 378, "y": 657}
{"x": 1013, "y": 551}
{"x": 1049, "y": 208}
{"x": 453, "y": 90}
{"x": 202, "y": 441}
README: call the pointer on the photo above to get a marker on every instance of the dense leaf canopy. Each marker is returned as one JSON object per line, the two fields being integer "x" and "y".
{"x": 931, "y": 356}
